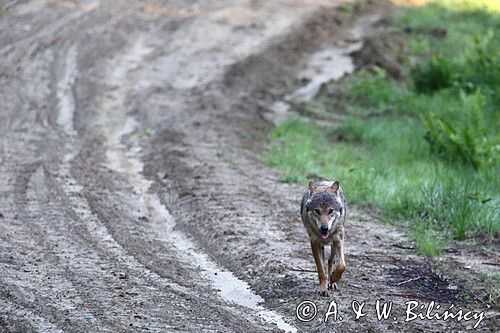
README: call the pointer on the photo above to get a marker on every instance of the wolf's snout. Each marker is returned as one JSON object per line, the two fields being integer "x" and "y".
{"x": 324, "y": 229}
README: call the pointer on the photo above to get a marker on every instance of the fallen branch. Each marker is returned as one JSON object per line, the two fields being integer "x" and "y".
{"x": 401, "y": 246}
{"x": 303, "y": 270}
{"x": 356, "y": 286}
{"x": 407, "y": 281}
{"x": 490, "y": 263}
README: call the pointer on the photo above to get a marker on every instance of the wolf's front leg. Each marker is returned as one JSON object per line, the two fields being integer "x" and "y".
{"x": 323, "y": 279}
{"x": 338, "y": 249}
{"x": 331, "y": 262}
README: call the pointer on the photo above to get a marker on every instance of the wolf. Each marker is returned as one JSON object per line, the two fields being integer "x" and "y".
{"x": 324, "y": 209}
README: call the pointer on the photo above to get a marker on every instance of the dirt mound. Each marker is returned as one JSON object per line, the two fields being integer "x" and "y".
{"x": 375, "y": 53}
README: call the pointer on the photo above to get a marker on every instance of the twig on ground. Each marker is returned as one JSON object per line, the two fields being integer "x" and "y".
{"x": 303, "y": 270}
{"x": 401, "y": 246}
{"x": 490, "y": 263}
{"x": 356, "y": 285}
{"x": 410, "y": 280}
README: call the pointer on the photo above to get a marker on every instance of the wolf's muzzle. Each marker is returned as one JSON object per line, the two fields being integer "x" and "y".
{"x": 324, "y": 230}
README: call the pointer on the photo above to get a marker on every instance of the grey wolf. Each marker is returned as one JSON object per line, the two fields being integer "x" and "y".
{"x": 323, "y": 209}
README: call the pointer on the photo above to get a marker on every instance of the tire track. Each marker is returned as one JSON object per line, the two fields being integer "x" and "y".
{"x": 94, "y": 232}
{"x": 35, "y": 201}
{"x": 90, "y": 230}
{"x": 116, "y": 126}
{"x": 25, "y": 319}
{"x": 78, "y": 204}
{"x": 39, "y": 283}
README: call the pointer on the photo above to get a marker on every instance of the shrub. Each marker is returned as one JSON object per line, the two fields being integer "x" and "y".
{"x": 436, "y": 74}
{"x": 462, "y": 135}
{"x": 481, "y": 68}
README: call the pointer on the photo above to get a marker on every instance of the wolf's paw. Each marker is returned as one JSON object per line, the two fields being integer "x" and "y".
{"x": 324, "y": 293}
{"x": 333, "y": 286}
{"x": 337, "y": 274}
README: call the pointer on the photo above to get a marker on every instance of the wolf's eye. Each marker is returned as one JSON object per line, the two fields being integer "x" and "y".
{"x": 317, "y": 211}
{"x": 330, "y": 211}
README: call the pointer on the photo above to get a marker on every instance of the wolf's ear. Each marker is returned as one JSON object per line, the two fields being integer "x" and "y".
{"x": 312, "y": 186}
{"x": 335, "y": 187}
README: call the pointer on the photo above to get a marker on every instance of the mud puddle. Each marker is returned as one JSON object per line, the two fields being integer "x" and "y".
{"x": 329, "y": 63}
{"x": 125, "y": 159}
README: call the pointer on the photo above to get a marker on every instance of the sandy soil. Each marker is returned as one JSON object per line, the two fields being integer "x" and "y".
{"x": 133, "y": 193}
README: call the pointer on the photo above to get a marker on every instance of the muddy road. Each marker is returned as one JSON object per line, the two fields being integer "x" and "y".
{"x": 133, "y": 193}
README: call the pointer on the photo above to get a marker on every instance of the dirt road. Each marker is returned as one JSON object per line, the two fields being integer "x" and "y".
{"x": 133, "y": 196}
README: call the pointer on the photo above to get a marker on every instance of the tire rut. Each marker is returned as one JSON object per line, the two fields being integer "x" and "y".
{"x": 122, "y": 159}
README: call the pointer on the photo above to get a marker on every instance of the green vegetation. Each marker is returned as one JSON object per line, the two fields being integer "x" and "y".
{"x": 423, "y": 149}
{"x": 492, "y": 285}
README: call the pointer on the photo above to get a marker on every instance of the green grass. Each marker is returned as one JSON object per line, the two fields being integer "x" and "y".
{"x": 423, "y": 150}
{"x": 492, "y": 286}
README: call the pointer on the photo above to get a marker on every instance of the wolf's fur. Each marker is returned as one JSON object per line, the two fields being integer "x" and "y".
{"x": 325, "y": 205}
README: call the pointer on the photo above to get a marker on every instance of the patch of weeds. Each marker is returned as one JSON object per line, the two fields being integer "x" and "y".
{"x": 232, "y": 163}
{"x": 374, "y": 93}
{"x": 481, "y": 69}
{"x": 350, "y": 131}
{"x": 492, "y": 288}
{"x": 354, "y": 7}
{"x": 456, "y": 210}
{"x": 463, "y": 135}
{"x": 146, "y": 133}
{"x": 294, "y": 149}
{"x": 430, "y": 242}
{"x": 418, "y": 45}
{"x": 214, "y": 105}
{"x": 436, "y": 74}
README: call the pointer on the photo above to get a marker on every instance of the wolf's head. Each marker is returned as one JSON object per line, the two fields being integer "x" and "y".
{"x": 324, "y": 206}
